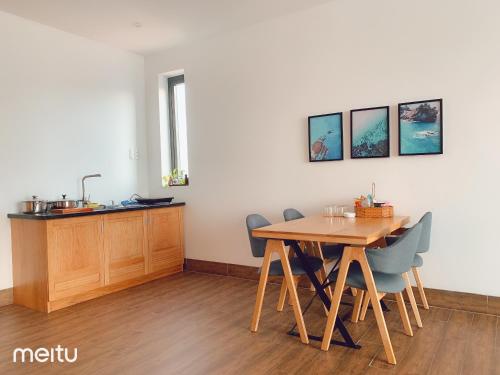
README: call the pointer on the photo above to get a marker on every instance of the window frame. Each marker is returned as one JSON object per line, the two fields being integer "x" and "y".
{"x": 172, "y": 126}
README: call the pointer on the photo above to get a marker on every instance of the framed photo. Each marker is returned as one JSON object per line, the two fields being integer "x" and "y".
{"x": 370, "y": 133}
{"x": 326, "y": 137}
{"x": 421, "y": 127}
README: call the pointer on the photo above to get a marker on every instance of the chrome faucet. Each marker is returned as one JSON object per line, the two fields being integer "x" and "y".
{"x": 84, "y": 201}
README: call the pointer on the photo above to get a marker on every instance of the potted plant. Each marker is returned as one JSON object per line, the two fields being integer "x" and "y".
{"x": 175, "y": 178}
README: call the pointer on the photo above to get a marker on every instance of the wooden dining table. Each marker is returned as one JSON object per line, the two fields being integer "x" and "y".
{"x": 356, "y": 234}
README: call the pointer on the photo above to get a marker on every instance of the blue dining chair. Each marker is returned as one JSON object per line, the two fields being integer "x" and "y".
{"x": 423, "y": 247}
{"x": 388, "y": 266}
{"x": 275, "y": 267}
{"x": 423, "y": 243}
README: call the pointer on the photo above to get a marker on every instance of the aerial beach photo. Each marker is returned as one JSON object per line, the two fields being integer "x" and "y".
{"x": 325, "y": 137}
{"x": 420, "y": 128}
{"x": 370, "y": 132}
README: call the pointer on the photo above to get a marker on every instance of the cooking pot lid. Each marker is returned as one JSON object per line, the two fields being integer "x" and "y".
{"x": 34, "y": 198}
{"x": 64, "y": 198}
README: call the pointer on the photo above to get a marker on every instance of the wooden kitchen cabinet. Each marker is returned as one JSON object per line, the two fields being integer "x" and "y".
{"x": 125, "y": 246}
{"x": 58, "y": 262}
{"x": 165, "y": 239}
{"x": 75, "y": 255}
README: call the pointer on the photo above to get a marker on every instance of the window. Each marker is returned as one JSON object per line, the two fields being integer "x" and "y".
{"x": 177, "y": 130}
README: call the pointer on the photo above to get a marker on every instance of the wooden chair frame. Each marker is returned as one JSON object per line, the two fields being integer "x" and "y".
{"x": 420, "y": 287}
{"x": 363, "y": 298}
{"x": 411, "y": 298}
{"x": 418, "y": 281}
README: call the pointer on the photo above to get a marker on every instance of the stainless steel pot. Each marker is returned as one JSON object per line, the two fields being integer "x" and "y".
{"x": 65, "y": 203}
{"x": 34, "y": 206}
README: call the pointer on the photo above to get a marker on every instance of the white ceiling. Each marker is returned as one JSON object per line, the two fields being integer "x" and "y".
{"x": 163, "y": 23}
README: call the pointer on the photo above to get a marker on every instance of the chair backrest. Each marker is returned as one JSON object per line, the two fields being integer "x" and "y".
{"x": 258, "y": 245}
{"x": 425, "y": 237}
{"x": 397, "y": 258}
{"x": 292, "y": 214}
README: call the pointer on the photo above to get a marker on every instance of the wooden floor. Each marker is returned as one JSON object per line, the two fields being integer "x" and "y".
{"x": 198, "y": 324}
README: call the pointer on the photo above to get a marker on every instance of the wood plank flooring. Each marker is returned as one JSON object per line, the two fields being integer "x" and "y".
{"x": 199, "y": 324}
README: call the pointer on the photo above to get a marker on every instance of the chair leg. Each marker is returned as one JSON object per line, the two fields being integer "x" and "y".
{"x": 404, "y": 314}
{"x": 262, "y": 288}
{"x": 357, "y": 305}
{"x": 364, "y": 308}
{"x": 296, "y": 281}
{"x": 420, "y": 287}
{"x": 281, "y": 301}
{"x": 311, "y": 286}
{"x": 411, "y": 297}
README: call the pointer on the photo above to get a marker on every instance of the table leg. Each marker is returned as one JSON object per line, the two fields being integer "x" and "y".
{"x": 337, "y": 295}
{"x": 264, "y": 272}
{"x": 281, "y": 301}
{"x": 296, "y": 281}
{"x": 360, "y": 256}
{"x": 348, "y": 341}
{"x": 284, "y": 289}
{"x": 280, "y": 248}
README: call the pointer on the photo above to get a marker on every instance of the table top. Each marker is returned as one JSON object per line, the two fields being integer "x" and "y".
{"x": 356, "y": 231}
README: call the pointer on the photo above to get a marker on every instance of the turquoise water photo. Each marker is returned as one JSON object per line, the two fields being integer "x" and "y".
{"x": 370, "y": 132}
{"x": 325, "y": 137}
{"x": 420, "y": 128}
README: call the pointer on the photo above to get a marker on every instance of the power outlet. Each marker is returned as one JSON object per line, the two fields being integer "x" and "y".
{"x": 133, "y": 154}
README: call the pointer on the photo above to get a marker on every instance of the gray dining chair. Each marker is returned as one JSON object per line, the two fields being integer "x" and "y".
{"x": 423, "y": 247}
{"x": 389, "y": 266}
{"x": 275, "y": 267}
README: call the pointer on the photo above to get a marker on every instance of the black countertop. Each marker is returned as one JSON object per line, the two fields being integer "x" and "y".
{"x": 101, "y": 211}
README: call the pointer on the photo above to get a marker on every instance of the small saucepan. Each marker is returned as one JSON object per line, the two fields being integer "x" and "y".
{"x": 64, "y": 203}
{"x": 34, "y": 206}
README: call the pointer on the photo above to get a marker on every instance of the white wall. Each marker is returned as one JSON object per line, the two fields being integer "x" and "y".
{"x": 249, "y": 95}
{"x": 68, "y": 107}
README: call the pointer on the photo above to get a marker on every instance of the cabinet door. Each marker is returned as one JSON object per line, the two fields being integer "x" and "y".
{"x": 124, "y": 246}
{"x": 76, "y": 257}
{"x": 165, "y": 239}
